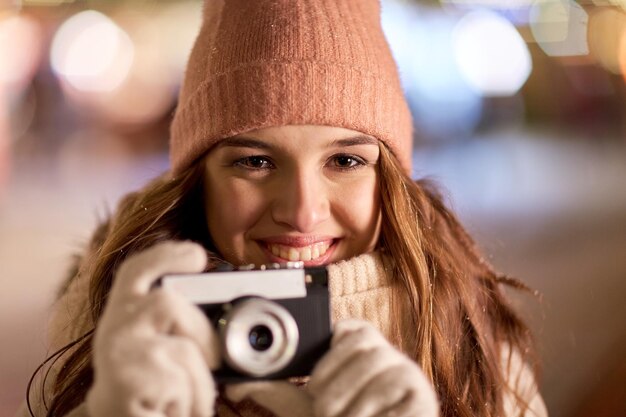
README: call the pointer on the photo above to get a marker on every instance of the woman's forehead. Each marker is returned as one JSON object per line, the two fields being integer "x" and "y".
{"x": 301, "y": 135}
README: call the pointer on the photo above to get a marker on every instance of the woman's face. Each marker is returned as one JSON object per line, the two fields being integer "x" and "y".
{"x": 293, "y": 193}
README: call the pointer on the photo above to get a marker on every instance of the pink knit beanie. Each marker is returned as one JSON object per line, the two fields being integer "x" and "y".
{"x": 262, "y": 63}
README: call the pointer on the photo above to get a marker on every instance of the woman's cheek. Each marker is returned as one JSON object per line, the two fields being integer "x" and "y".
{"x": 239, "y": 205}
{"x": 360, "y": 204}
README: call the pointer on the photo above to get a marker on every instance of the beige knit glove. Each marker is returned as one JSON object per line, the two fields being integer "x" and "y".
{"x": 280, "y": 397}
{"x": 152, "y": 349}
{"x": 362, "y": 375}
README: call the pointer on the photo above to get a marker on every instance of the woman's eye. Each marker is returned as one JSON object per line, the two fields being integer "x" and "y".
{"x": 254, "y": 162}
{"x": 347, "y": 161}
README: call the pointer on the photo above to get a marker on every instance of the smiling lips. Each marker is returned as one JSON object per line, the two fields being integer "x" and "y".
{"x": 303, "y": 253}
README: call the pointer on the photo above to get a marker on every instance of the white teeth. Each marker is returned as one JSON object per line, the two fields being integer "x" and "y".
{"x": 306, "y": 253}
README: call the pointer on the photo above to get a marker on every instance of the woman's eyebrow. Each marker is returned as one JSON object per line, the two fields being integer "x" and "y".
{"x": 355, "y": 141}
{"x": 244, "y": 142}
{"x": 248, "y": 142}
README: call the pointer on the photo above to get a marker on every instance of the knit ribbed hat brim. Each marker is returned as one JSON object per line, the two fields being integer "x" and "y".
{"x": 265, "y": 63}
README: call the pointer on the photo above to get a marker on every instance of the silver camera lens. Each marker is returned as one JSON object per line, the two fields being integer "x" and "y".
{"x": 259, "y": 337}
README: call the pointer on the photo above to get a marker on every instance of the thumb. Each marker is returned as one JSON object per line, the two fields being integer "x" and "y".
{"x": 279, "y": 397}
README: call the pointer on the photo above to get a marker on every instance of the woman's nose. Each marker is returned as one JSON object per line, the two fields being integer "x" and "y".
{"x": 301, "y": 202}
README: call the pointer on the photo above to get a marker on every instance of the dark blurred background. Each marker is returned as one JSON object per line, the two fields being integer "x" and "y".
{"x": 519, "y": 110}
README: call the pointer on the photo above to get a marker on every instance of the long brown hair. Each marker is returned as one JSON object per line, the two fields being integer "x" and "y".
{"x": 449, "y": 310}
{"x": 451, "y": 315}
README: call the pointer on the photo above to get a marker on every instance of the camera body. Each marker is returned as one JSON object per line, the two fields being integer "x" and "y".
{"x": 273, "y": 322}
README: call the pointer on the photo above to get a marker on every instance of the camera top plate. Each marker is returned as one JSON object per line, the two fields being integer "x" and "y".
{"x": 218, "y": 287}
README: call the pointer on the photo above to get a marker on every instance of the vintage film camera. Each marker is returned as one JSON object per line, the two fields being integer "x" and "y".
{"x": 273, "y": 322}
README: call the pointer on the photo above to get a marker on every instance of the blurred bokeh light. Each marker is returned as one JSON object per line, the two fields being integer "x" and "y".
{"x": 20, "y": 43}
{"x": 444, "y": 105}
{"x": 20, "y": 50}
{"x": 560, "y": 27}
{"x": 606, "y": 29}
{"x": 491, "y": 54}
{"x": 91, "y": 53}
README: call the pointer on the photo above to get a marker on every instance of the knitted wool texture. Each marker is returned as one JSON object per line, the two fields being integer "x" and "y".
{"x": 266, "y": 63}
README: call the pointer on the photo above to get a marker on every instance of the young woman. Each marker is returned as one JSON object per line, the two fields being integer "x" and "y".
{"x": 292, "y": 141}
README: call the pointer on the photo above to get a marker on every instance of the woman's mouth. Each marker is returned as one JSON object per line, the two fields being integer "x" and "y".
{"x": 311, "y": 250}
{"x": 304, "y": 253}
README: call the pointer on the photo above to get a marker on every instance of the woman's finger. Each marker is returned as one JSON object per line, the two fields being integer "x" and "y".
{"x": 139, "y": 272}
{"x": 401, "y": 390}
{"x": 202, "y": 386}
{"x": 136, "y": 375}
{"x": 280, "y": 397}
{"x": 350, "y": 338}
{"x": 164, "y": 312}
{"x": 336, "y": 395}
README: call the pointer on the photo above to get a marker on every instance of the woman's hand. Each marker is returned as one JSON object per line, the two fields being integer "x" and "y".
{"x": 363, "y": 375}
{"x": 152, "y": 349}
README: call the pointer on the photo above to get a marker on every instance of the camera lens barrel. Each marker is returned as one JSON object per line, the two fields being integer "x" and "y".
{"x": 259, "y": 337}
